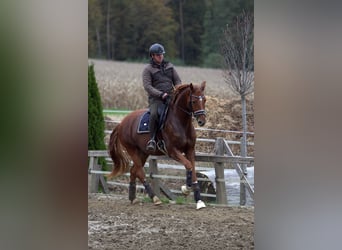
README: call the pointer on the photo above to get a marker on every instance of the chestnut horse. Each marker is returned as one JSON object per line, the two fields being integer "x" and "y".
{"x": 179, "y": 138}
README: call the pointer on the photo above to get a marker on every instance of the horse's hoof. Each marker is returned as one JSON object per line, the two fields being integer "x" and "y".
{"x": 156, "y": 200}
{"x": 200, "y": 204}
{"x": 185, "y": 190}
{"x": 135, "y": 201}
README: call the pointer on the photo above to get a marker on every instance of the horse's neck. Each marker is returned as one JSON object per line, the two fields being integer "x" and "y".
{"x": 180, "y": 114}
{"x": 178, "y": 125}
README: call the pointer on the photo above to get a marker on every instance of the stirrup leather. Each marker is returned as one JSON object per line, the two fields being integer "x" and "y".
{"x": 161, "y": 147}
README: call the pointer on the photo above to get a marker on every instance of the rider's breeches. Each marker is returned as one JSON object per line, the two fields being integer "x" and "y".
{"x": 153, "y": 123}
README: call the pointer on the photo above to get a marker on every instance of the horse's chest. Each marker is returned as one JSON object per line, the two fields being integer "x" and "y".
{"x": 183, "y": 139}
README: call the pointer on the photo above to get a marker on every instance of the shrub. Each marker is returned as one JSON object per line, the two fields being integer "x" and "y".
{"x": 96, "y": 123}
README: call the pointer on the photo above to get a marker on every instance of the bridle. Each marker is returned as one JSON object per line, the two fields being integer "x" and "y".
{"x": 191, "y": 109}
{"x": 198, "y": 112}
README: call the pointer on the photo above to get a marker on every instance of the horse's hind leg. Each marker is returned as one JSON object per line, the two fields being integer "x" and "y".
{"x": 132, "y": 186}
{"x": 137, "y": 170}
{"x": 148, "y": 189}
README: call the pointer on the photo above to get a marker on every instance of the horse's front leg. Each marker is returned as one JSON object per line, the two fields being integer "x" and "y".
{"x": 178, "y": 156}
{"x": 191, "y": 179}
{"x": 192, "y": 183}
{"x": 197, "y": 195}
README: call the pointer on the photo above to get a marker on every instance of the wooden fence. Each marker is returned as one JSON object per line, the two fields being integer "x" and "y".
{"x": 223, "y": 154}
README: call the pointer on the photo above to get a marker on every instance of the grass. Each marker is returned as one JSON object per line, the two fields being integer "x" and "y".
{"x": 180, "y": 200}
{"x": 116, "y": 112}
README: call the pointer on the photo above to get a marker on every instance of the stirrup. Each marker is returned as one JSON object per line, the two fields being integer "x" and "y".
{"x": 161, "y": 147}
{"x": 151, "y": 145}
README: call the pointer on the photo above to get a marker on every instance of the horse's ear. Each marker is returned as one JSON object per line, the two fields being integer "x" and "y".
{"x": 203, "y": 85}
{"x": 191, "y": 87}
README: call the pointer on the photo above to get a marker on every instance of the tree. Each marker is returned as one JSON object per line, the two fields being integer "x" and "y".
{"x": 181, "y": 27}
{"x": 150, "y": 21}
{"x": 95, "y": 19}
{"x": 189, "y": 17}
{"x": 190, "y": 30}
{"x": 95, "y": 116}
{"x": 218, "y": 14}
{"x": 237, "y": 48}
{"x": 130, "y": 27}
{"x": 109, "y": 54}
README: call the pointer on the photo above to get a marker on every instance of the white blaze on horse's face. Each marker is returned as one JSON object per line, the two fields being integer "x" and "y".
{"x": 200, "y": 113}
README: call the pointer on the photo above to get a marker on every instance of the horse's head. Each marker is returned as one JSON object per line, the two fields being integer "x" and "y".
{"x": 197, "y": 102}
{"x": 190, "y": 99}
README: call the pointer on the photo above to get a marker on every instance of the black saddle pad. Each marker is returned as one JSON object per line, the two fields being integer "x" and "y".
{"x": 145, "y": 117}
{"x": 143, "y": 123}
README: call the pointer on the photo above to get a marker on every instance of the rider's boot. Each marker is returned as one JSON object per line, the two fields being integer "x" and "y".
{"x": 153, "y": 123}
{"x": 151, "y": 144}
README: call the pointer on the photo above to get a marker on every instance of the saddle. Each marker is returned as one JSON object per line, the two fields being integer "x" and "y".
{"x": 145, "y": 117}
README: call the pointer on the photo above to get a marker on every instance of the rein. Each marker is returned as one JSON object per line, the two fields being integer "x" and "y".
{"x": 185, "y": 111}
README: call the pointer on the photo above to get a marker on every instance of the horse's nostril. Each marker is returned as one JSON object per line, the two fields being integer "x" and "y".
{"x": 201, "y": 123}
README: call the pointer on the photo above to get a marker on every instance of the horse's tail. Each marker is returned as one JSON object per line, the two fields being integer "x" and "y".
{"x": 118, "y": 155}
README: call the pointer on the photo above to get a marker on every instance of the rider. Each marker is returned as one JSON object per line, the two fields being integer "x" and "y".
{"x": 159, "y": 78}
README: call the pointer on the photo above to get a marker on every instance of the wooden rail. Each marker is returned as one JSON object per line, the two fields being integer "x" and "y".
{"x": 223, "y": 154}
{"x": 198, "y": 157}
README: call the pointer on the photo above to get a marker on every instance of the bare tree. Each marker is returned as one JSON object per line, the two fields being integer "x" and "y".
{"x": 237, "y": 48}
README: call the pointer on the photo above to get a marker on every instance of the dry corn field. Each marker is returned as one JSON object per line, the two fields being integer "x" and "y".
{"x": 120, "y": 86}
{"x": 120, "y": 83}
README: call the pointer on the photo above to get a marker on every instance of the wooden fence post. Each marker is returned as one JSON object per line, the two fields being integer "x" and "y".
{"x": 243, "y": 177}
{"x": 154, "y": 181}
{"x": 221, "y": 193}
{"x": 93, "y": 180}
{"x": 102, "y": 180}
{"x": 91, "y": 160}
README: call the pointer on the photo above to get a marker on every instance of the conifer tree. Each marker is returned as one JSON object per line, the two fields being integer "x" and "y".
{"x": 96, "y": 124}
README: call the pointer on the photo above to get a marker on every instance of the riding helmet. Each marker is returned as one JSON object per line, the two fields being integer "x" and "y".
{"x": 156, "y": 48}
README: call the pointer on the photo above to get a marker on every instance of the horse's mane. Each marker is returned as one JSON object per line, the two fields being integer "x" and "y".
{"x": 178, "y": 89}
